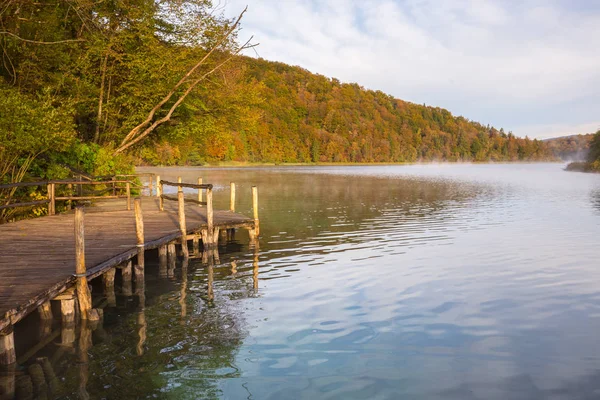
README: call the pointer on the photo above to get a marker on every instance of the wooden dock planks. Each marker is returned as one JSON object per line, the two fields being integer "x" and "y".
{"x": 37, "y": 256}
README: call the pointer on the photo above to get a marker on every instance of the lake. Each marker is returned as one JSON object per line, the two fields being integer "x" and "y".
{"x": 371, "y": 282}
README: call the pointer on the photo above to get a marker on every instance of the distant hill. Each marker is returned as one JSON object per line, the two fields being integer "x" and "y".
{"x": 308, "y": 117}
{"x": 571, "y": 148}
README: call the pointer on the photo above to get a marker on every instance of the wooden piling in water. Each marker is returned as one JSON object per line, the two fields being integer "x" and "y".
{"x": 172, "y": 259}
{"x": 210, "y": 225}
{"x": 8, "y": 354}
{"x": 139, "y": 233}
{"x": 109, "y": 286}
{"x": 45, "y": 311}
{"x": 182, "y": 225}
{"x": 255, "y": 210}
{"x": 126, "y": 278}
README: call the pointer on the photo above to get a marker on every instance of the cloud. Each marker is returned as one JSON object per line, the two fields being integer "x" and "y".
{"x": 506, "y": 63}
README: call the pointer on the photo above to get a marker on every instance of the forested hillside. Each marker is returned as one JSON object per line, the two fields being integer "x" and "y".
{"x": 100, "y": 86}
{"x": 592, "y": 163}
{"x": 571, "y": 148}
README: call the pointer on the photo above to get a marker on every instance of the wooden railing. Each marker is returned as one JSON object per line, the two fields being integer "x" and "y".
{"x": 115, "y": 186}
{"x": 208, "y": 237}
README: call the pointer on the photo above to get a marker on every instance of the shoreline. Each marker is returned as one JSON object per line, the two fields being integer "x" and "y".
{"x": 228, "y": 164}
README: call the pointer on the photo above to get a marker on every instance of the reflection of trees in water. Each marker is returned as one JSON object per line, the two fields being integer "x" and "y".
{"x": 176, "y": 339}
{"x": 595, "y": 199}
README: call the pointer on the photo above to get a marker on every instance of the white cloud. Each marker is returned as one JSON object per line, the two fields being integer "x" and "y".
{"x": 508, "y": 64}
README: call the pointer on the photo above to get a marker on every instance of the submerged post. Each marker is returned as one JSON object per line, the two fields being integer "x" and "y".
{"x": 182, "y": 226}
{"x": 83, "y": 292}
{"x": 139, "y": 233}
{"x": 255, "y": 209}
{"x": 128, "y": 190}
{"x": 232, "y": 197}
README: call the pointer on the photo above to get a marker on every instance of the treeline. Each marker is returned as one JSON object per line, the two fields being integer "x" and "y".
{"x": 571, "y": 148}
{"x": 308, "y": 118}
{"x": 592, "y": 163}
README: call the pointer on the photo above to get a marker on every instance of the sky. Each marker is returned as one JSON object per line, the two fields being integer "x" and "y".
{"x": 530, "y": 66}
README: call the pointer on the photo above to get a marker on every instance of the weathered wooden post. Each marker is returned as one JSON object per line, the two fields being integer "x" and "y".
{"x": 200, "y": 191}
{"x": 70, "y": 202}
{"x": 126, "y": 277}
{"x": 51, "y": 201}
{"x": 108, "y": 278}
{"x": 232, "y": 197}
{"x": 196, "y": 243}
{"x": 150, "y": 185}
{"x": 210, "y": 218}
{"x": 172, "y": 260}
{"x": 83, "y": 291}
{"x": 114, "y": 185}
{"x": 45, "y": 311}
{"x": 128, "y": 190}
{"x": 182, "y": 225}
{"x": 159, "y": 193}
{"x": 139, "y": 233}
{"x": 162, "y": 260}
{"x": 254, "y": 233}
{"x": 8, "y": 355}
{"x": 158, "y": 186}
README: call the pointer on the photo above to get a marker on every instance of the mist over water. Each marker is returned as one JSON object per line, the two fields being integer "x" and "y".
{"x": 431, "y": 281}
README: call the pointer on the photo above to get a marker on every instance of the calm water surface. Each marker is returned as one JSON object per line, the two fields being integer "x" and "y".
{"x": 420, "y": 282}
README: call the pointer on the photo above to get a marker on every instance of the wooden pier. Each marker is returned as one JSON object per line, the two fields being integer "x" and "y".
{"x": 52, "y": 258}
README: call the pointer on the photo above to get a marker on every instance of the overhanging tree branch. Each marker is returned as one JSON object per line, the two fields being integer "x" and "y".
{"x": 136, "y": 130}
{"x": 155, "y": 124}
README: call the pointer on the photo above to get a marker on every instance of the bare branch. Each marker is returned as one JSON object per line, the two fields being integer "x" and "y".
{"x": 167, "y": 117}
{"x": 40, "y": 42}
{"x": 165, "y": 99}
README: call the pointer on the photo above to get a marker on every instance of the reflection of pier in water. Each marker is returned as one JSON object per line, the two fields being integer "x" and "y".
{"x": 63, "y": 347}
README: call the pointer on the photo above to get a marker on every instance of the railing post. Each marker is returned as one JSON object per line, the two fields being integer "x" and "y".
{"x": 255, "y": 210}
{"x": 52, "y": 202}
{"x": 200, "y": 191}
{"x": 128, "y": 190}
{"x": 182, "y": 226}
{"x": 150, "y": 184}
{"x": 158, "y": 185}
{"x": 161, "y": 201}
{"x": 209, "y": 216}
{"x": 232, "y": 199}
{"x": 83, "y": 292}
{"x": 70, "y": 202}
{"x": 139, "y": 233}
